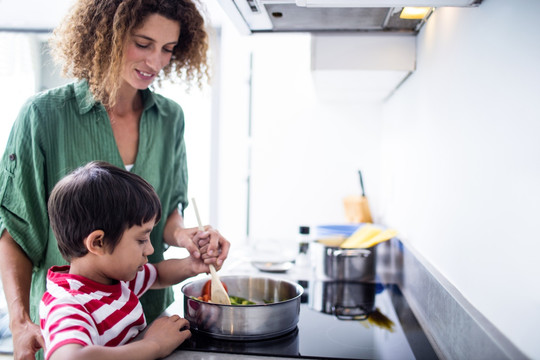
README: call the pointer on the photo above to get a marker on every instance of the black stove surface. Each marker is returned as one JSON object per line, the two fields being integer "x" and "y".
{"x": 380, "y": 326}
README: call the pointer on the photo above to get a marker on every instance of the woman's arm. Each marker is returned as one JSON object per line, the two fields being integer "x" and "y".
{"x": 16, "y": 271}
{"x": 163, "y": 336}
{"x": 175, "y": 234}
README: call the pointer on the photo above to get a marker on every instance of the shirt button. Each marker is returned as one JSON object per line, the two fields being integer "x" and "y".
{"x": 12, "y": 157}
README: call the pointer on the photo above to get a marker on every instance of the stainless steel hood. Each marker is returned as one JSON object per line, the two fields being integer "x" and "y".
{"x": 370, "y": 16}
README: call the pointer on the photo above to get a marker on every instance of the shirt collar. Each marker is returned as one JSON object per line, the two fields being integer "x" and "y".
{"x": 86, "y": 101}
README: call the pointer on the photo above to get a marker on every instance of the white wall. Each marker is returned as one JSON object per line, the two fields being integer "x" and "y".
{"x": 307, "y": 149}
{"x": 461, "y": 164}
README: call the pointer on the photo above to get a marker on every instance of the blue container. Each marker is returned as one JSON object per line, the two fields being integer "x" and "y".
{"x": 345, "y": 230}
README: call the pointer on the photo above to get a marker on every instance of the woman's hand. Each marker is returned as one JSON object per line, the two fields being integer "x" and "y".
{"x": 209, "y": 245}
{"x": 214, "y": 248}
{"x": 16, "y": 271}
{"x": 27, "y": 340}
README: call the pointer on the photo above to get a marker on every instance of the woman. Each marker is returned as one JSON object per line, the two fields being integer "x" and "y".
{"x": 116, "y": 49}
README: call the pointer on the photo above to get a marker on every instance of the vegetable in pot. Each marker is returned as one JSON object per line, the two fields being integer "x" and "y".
{"x": 206, "y": 290}
{"x": 235, "y": 300}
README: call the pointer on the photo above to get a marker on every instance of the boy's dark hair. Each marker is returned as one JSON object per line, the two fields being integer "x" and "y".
{"x": 99, "y": 196}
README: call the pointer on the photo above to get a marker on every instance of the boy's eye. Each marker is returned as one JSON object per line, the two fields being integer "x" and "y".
{"x": 142, "y": 242}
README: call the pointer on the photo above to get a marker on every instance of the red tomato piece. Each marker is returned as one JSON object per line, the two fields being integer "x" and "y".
{"x": 206, "y": 290}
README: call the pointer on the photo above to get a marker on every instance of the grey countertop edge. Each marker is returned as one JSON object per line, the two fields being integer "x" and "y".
{"x": 200, "y": 355}
{"x": 455, "y": 328}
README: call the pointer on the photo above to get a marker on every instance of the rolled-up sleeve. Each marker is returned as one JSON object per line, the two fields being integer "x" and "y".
{"x": 23, "y": 209}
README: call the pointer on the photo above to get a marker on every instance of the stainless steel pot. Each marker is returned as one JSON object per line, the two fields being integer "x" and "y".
{"x": 347, "y": 300}
{"x": 343, "y": 264}
{"x": 276, "y": 312}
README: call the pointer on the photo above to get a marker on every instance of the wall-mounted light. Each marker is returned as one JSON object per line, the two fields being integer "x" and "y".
{"x": 416, "y": 13}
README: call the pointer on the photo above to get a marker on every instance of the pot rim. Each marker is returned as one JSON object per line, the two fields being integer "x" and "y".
{"x": 299, "y": 289}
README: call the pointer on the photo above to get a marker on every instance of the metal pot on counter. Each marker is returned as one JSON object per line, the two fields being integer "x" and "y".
{"x": 276, "y": 311}
{"x": 333, "y": 262}
{"x": 347, "y": 300}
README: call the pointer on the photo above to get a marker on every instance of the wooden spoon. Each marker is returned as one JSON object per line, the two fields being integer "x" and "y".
{"x": 218, "y": 294}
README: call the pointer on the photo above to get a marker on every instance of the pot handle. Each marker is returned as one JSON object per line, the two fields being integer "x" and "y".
{"x": 351, "y": 252}
{"x": 345, "y": 313}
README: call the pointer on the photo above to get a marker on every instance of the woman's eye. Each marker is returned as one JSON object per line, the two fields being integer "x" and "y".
{"x": 170, "y": 51}
{"x": 142, "y": 46}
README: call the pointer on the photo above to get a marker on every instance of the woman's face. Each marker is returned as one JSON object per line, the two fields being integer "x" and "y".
{"x": 148, "y": 49}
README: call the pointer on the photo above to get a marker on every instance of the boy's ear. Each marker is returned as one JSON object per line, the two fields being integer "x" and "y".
{"x": 94, "y": 242}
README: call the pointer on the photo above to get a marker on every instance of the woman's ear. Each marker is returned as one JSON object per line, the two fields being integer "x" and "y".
{"x": 94, "y": 242}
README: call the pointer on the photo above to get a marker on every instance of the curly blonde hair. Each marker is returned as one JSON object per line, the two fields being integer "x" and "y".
{"x": 90, "y": 42}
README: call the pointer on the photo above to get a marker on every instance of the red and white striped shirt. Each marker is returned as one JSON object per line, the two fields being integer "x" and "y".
{"x": 77, "y": 310}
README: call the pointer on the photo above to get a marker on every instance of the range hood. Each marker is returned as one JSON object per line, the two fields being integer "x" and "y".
{"x": 371, "y": 16}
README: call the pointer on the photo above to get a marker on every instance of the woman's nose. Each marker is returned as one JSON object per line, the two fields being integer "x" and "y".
{"x": 154, "y": 61}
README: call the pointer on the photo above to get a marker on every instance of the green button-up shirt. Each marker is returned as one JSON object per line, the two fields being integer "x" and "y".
{"x": 64, "y": 128}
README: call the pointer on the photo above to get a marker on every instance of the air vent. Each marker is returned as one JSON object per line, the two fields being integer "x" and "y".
{"x": 360, "y": 16}
{"x": 293, "y": 18}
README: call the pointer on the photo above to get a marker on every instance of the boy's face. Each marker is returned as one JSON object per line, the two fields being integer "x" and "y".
{"x": 130, "y": 254}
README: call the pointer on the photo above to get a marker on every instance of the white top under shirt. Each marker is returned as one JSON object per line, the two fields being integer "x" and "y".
{"x": 78, "y": 310}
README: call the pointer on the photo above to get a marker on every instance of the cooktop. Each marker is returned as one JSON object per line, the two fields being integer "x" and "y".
{"x": 339, "y": 320}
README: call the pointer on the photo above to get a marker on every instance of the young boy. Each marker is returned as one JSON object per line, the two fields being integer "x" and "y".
{"x": 102, "y": 217}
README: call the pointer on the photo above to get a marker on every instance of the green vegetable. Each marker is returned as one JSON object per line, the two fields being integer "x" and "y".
{"x": 237, "y": 300}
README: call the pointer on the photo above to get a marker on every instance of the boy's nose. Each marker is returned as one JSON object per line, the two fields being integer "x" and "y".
{"x": 149, "y": 249}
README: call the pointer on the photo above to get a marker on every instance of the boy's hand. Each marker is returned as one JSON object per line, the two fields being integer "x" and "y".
{"x": 167, "y": 333}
